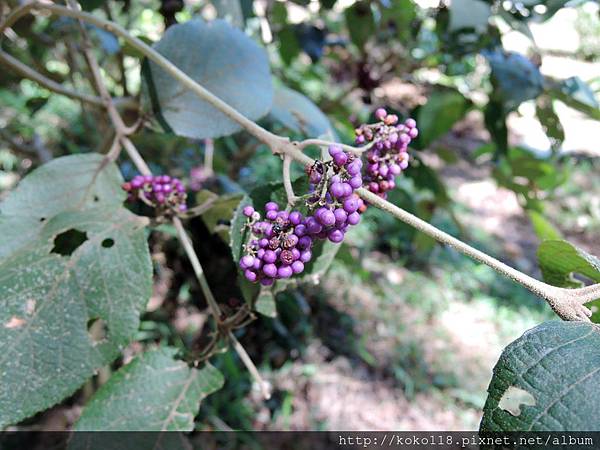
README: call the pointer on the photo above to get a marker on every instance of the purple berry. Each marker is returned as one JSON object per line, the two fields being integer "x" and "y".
{"x": 353, "y": 218}
{"x": 271, "y": 206}
{"x": 380, "y": 113}
{"x": 340, "y": 158}
{"x": 351, "y": 204}
{"x": 295, "y": 217}
{"x": 271, "y": 214}
{"x": 304, "y": 243}
{"x": 337, "y": 190}
{"x": 300, "y": 230}
{"x": 270, "y": 257}
{"x": 248, "y": 211}
{"x": 270, "y": 270}
{"x": 340, "y": 215}
{"x": 266, "y": 281}
{"x": 285, "y": 272}
{"x": 355, "y": 182}
{"x": 336, "y": 236}
{"x": 305, "y": 256}
{"x": 250, "y": 275}
{"x": 334, "y": 150}
{"x": 297, "y": 266}
{"x": 246, "y": 261}
{"x": 327, "y": 218}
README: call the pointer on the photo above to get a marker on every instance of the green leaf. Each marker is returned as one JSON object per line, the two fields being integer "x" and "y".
{"x": 543, "y": 229}
{"x": 515, "y": 78}
{"x": 443, "y": 109}
{"x": 550, "y": 121}
{"x": 559, "y": 260}
{"x": 220, "y": 58}
{"x": 360, "y": 23}
{"x": 66, "y": 307}
{"x": 400, "y": 13}
{"x": 298, "y": 113}
{"x": 218, "y": 217}
{"x": 575, "y": 93}
{"x": 154, "y": 392}
{"x": 289, "y": 46}
{"x": 265, "y": 302}
{"x": 547, "y": 381}
{"x": 238, "y": 232}
{"x": 47, "y": 191}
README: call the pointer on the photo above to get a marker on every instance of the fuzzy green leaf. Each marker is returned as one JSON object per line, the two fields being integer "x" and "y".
{"x": 547, "y": 381}
{"x": 220, "y": 58}
{"x": 51, "y": 293}
{"x": 154, "y": 392}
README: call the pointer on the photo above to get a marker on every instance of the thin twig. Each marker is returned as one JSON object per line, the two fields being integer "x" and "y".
{"x": 193, "y": 257}
{"x": 28, "y": 72}
{"x": 265, "y": 387}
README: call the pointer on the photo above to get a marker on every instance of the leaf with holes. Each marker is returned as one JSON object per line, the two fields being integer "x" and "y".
{"x": 559, "y": 260}
{"x": 71, "y": 294}
{"x": 154, "y": 392}
{"x": 47, "y": 191}
{"x": 220, "y": 58}
{"x": 546, "y": 381}
{"x": 298, "y": 113}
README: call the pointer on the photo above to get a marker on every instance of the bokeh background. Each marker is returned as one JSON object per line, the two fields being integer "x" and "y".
{"x": 400, "y": 333}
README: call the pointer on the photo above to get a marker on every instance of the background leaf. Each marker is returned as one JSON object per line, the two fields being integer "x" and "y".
{"x": 360, "y": 23}
{"x": 220, "y": 58}
{"x": 298, "y": 113}
{"x": 515, "y": 78}
{"x": 55, "y": 301}
{"x": 154, "y": 392}
{"x": 442, "y": 110}
{"x": 559, "y": 260}
{"x": 551, "y": 373}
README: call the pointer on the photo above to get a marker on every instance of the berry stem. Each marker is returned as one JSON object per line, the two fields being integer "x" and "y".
{"x": 323, "y": 143}
{"x": 287, "y": 181}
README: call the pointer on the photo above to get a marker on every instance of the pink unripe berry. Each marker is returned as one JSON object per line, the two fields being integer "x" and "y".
{"x": 380, "y": 113}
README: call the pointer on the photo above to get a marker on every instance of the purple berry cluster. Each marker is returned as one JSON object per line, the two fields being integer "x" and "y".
{"x": 279, "y": 245}
{"x": 163, "y": 192}
{"x": 334, "y": 204}
{"x": 388, "y": 154}
{"x": 281, "y": 242}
